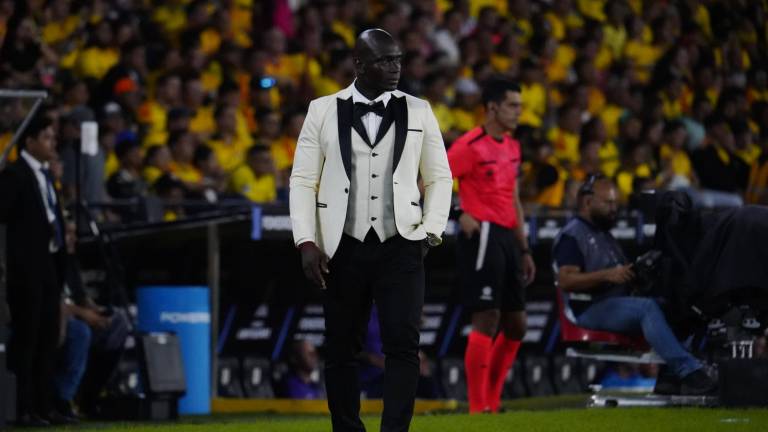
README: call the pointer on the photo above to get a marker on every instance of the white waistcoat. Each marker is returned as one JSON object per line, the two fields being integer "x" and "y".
{"x": 371, "y": 203}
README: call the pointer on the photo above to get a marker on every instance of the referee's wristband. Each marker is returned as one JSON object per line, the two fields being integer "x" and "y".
{"x": 525, "y": 251}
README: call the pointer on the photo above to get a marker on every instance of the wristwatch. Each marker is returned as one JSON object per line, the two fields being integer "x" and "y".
{"x": 433, "y": 240}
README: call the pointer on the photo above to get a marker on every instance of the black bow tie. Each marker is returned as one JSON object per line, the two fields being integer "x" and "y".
{"x": 362, "y": 109}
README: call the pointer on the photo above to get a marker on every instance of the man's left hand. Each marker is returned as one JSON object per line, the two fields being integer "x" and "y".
{"x": 92, "y": 305}
{"x": 529, "y": 269}
{"x": 94, "y": 319}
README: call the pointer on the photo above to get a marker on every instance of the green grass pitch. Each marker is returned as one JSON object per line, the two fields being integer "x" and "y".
{"x": 565, "y": 420}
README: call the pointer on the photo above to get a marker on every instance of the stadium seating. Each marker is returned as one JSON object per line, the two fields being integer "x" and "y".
{"x": 590, "y": 371}
{"x": 601, "y": 345}
{"x": 127, "y": 380}
{"x": 513, "y": 384}
{"x": 229, "y": 378}
{"x": 257, "y": 378}
{"x": 564, "y": 373}
{"x": 571, "y": 332}
{"x": 536, "y": 375}
{"x": 452, "y": 378}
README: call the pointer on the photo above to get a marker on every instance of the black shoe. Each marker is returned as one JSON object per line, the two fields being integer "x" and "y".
{"x": 64, "y": 408}
{"x": 666, "y": 382}
{"x": 698, "y": 383}
{"x": 55, "y": 418}
{"x": 667, "y": 386}
{"x": 31, "y": 420}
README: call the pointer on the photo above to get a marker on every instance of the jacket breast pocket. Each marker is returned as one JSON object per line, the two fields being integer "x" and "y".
{"x": 413, "y": 143}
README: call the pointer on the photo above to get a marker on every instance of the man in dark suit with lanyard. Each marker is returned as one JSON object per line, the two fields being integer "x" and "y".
{"x": 31, "y": 210}
{"x": 359, "y": 221}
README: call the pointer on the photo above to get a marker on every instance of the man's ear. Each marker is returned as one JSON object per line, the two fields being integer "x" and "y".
{"x": 360, "y": 69}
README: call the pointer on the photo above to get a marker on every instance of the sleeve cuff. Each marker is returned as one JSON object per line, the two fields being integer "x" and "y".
{"x": 302, "y": 241}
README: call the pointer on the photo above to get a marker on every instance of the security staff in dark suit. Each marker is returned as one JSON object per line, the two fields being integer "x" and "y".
{"x": 30, "y": 208}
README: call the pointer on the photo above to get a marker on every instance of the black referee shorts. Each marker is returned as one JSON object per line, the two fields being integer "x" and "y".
{"x": 490, "y": 270}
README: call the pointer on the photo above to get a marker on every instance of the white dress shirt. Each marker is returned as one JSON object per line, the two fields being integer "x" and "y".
{"x": 371, "y": 201}
{"x": 371, "y": 121}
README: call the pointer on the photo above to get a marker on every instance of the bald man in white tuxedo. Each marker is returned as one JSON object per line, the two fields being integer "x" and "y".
{"x": 363, "y": 227}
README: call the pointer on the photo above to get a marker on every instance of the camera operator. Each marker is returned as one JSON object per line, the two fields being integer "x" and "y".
{"x": 594, "y": 275}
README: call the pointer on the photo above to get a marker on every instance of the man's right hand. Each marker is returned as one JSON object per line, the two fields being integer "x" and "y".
{"x": 619, "y": 275}
{"x": 469, "y": 225}
{"x": 314, "y": 262}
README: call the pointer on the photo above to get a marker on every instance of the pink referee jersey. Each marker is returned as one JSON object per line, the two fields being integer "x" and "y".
{"x": 487, "y": 171}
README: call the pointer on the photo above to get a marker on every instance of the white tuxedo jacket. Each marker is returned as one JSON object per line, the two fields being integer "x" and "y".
{"x": 322, "y": 169}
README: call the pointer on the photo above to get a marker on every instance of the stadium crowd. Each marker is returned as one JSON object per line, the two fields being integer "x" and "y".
{"x": 202, "y": 99}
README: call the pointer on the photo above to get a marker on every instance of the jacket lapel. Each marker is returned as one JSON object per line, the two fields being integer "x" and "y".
{"x": 32, "y": 180}
{"x": 386, "y": 122}
{"x": 357, "y": 123}
{"x": 400, "y": 114}
{"x": 344, "y": 113}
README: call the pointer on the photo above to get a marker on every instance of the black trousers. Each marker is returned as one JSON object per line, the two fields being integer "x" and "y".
{"x": 391, "y": 274}
{"x": 103, "y": 358}
{"x": 35, "y": 321}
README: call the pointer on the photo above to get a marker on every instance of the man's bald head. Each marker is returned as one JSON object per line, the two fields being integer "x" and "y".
{"x": 369, "y": 40}
{"x": 377, "y": 62}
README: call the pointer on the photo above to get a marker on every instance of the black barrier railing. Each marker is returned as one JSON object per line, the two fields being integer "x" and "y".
{"x": 151, "y": 220}
{"x": 273, "y": 220}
